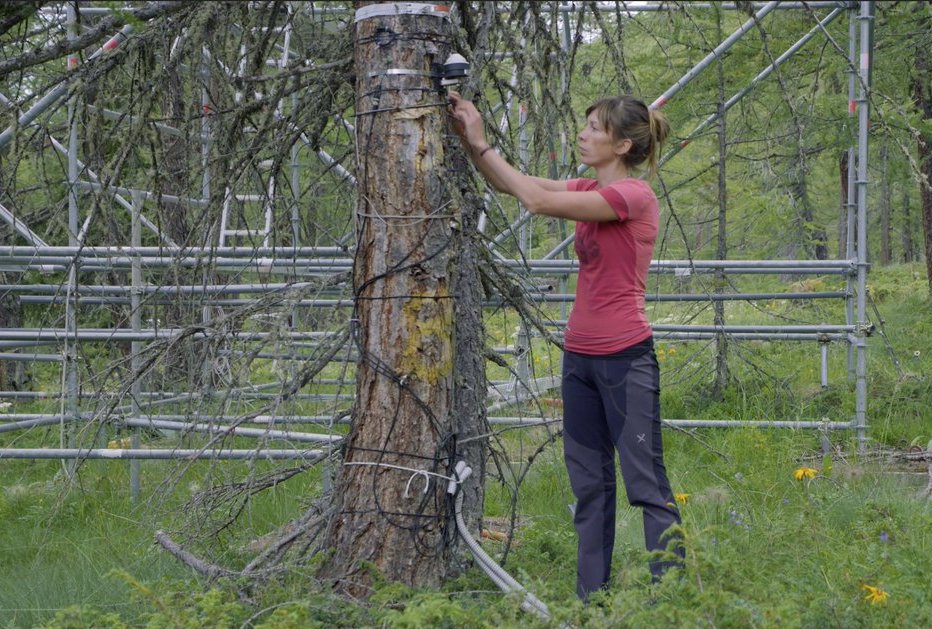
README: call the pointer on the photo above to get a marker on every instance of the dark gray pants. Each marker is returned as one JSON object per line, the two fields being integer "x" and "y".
{"x": 613, "y": 402}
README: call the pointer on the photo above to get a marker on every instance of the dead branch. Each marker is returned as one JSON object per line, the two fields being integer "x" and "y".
{"x": 19, "y": 11}
{"x": 105, "y": 27}
{"x": 209, "y": 570}
{"x": 309, "y": 525}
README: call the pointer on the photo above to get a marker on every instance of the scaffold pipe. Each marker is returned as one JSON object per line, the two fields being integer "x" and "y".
{"x": 160, "y": 454}
{"x": 53, "y": 95}
{"x": 727, "y": 43}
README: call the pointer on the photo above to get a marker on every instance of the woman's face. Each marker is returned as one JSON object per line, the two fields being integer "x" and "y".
{"x": 596, "y": 145}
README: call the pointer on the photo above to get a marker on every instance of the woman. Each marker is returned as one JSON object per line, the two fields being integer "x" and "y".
{"x": 611, "y": 379}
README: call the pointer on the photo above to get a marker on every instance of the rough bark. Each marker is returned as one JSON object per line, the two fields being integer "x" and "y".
{"x": 813, "y": 236}
{"x": 11, "y": 309}
{"x": 909, "y": 254}
{"x": 886, "y": 255}
{"x": 469, "y": 402}
{"x": 392, "y": 514}
{"x": 721, "y": 341}
{"x": 922, "y": 94}
{"x": 12, "y": 373}
{"x": 173, "y": 177}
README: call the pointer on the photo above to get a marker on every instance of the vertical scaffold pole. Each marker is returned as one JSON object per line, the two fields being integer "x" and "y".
{"x": 866, "y": 20}
{"x": 135, "y": 317}
{"x": 71, "y": 320}
{"x": 851, "y": 205}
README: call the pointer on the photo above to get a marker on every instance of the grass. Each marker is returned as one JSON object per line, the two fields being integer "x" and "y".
{"x": 59, "y": 546}
{"x": 763, "y": 548}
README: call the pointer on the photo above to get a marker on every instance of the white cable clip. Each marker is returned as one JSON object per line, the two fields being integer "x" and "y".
{"x": 422, "y": 473}
{"x": 460, "y": 473}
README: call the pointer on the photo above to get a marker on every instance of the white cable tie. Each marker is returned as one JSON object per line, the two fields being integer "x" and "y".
{"x": 425, "y": 474}
{"x": 401, "y": 8}
{"x": 398, "y": 72}
{"x": 422, "y": 473}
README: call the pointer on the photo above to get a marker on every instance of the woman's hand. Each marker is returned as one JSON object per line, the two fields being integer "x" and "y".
{"x": 467, "y": 122}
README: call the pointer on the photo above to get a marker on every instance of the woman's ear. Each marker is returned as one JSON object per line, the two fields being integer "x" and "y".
{"x": 623, "y": 146}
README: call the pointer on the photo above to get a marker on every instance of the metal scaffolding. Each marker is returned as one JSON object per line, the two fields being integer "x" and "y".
{"x": 291, "y": 276}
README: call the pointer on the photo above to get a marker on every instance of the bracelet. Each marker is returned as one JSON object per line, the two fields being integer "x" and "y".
{"x": 484, "y": 151}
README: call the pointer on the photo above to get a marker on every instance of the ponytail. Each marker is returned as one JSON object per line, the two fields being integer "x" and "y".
{"x": 659, "y": 130}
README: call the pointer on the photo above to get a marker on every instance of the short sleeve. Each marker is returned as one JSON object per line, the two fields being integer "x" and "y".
{"x": 616, "y": 199}
{"x": 578, "y": 185}
{"x": 628, "y": 198}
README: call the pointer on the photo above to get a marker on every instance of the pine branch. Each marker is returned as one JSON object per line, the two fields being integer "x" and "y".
{"x": 104, "y": 28}
{"x": 15, "y": 13}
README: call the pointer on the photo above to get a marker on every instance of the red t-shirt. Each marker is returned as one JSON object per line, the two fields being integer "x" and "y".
{"x": 614, "y": 257}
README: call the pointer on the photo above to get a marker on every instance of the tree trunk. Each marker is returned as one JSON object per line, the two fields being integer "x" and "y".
{"x": 907, "y": 233}
{"x": 12, "y": 373}
{"x": 11, "y": 309}
{"x": 813, "y": 237}
{"x": 721, "y": 341}
{"x": 469, "y": 400}
{"x": 886, "y": 255}
{"x": 922, "y": 93}
{"x": 392, "y": 513}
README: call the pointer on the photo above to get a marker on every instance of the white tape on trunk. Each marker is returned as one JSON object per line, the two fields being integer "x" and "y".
{"x": 401, "y": 8}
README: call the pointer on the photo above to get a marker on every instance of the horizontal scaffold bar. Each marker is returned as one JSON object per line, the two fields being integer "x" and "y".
{"x": 159, "y": 454}
{"x": 183, "y": 426}
{"x": 266, "y": 260}
{"x": 495, "y": 302}
{"x": 760, "y": 329}
{"x": 146, "y": 334}
{"x": 284, "y": 253}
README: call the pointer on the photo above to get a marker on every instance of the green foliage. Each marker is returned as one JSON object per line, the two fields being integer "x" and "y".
{"x": 763, "y": 549}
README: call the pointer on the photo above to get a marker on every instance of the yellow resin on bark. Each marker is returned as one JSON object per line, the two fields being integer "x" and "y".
{"x": 428, "y": 352}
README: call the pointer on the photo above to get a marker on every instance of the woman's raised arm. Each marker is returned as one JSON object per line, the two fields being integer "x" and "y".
{"x": 539, "y": 195}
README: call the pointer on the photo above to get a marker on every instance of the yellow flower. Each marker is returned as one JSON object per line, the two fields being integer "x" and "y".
{"x": 116, "y": 444}
{"x": 681, "y": 498}
{"x": 874, "y": 595}
{"x": 804, "y": 473}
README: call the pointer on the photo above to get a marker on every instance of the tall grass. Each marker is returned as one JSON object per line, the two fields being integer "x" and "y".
{"x": 763, "y": 548}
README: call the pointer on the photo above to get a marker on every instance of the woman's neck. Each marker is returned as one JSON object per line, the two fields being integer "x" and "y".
{"x": 610, "y": 173}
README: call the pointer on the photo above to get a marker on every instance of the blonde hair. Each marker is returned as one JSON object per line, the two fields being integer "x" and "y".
{"x": 627, "y": 118}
